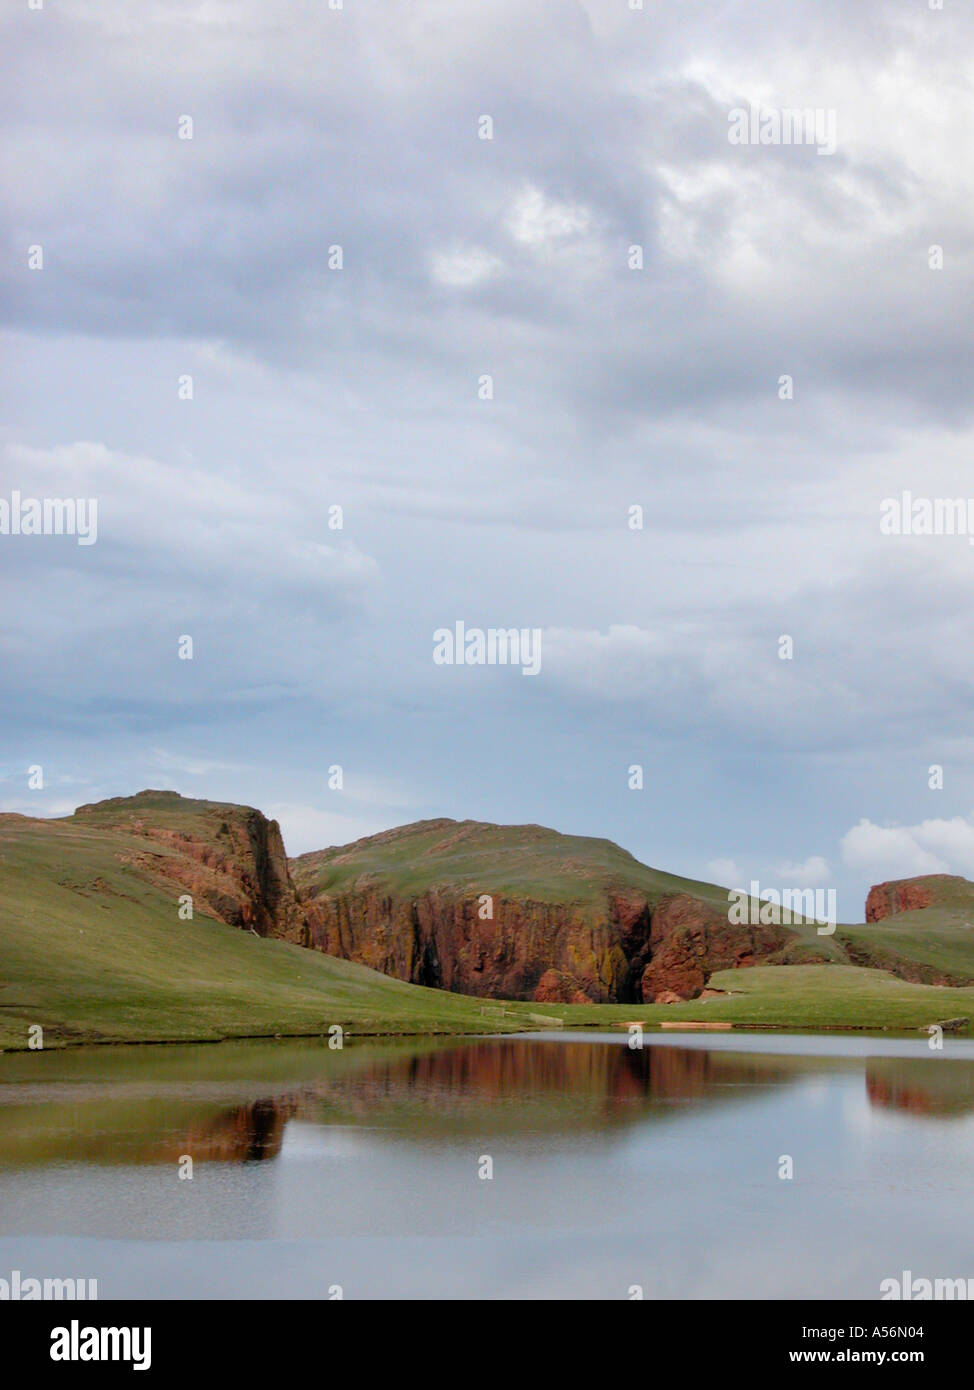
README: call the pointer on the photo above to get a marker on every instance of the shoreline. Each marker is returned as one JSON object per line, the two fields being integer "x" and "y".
{"x": 557, "y": 1025}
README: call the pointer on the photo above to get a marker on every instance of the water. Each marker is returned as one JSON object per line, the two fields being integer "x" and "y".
{"x": 612, "y": 1168}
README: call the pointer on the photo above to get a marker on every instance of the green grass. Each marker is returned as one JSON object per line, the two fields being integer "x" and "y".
{"x": 183, "y": 814}
{"x": 518, "y": 861}
{"x": 932, "y": 945}
{"x": 934, "y": 938}
{"x": 798, "y": 997}
{"x": 527, "y": 863}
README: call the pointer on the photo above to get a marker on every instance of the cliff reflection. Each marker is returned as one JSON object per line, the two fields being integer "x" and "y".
{"x": 506, "y": 1087}
{"x": 939, "y": 1087}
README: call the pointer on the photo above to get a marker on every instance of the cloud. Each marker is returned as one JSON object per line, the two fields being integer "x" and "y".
{"x": 724, "y": 871}
{"x": 464, "y": 268}
{"x": 810, "y": 873}
{"x": 891, "y": 852}
{"x": 537, "y": 221}
{"x": 184, "y": 518}
{"x": 613, "y": 387}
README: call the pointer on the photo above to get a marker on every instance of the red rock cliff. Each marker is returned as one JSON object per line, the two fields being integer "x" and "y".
{"x": 899, "y": 895}
{"x": 630, "y": 952}
{"x": 229, "y": 858}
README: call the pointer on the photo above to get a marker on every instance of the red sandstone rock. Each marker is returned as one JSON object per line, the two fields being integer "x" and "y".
{"x": 229, "y": 859}
{"x": 549, "y": 952}
{"x": 581, "y": 934}
{"x": 555, "y": 987}
{"x": 900, "y": 895}
{"x": 690, "y": 939}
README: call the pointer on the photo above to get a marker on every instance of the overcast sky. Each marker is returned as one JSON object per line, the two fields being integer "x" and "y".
{"x": 463, "y": 257}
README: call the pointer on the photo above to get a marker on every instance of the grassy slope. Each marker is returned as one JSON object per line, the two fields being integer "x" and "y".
{"x": 524, "y": 861}
{"x": 798, "y": 996}
{"x": 940, "y": 936}
{"x": 183, "y": 814}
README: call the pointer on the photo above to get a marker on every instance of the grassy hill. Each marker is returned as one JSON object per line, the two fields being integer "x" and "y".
{"x": 523, "y": 861}
{"x": 930, "y": 944}
{"x": 93, "y": 950}
{"x": 566, "y": 917}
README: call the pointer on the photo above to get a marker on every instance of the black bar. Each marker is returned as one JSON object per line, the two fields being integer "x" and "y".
{"x": 253, "y": 1339}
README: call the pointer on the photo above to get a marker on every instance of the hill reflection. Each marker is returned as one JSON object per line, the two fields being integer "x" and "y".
{"x": 504, "y": 1086}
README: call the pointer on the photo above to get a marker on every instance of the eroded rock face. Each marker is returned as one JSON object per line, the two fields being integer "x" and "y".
{"x": 901, "y": 895}
{"x": 242, "y": 878}
{"x": 229, "y": 859}
{"x": 440, "y": 940}
{"x": 571, "y": 929}
{"x": 557, "y": 987}
{"x": 552, "y": 953}
{"x": 689, "y": 940}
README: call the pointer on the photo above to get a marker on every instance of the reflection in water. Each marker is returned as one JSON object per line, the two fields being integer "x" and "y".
{"x": 611, "y": 1167}
{"x": 932, "y": 1087}
{"x": 241, "y": 1135}
{"x": 608, "y": 1083}
{"x": 508, "y": 1087}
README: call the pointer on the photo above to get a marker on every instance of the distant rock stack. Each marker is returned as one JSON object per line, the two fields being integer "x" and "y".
{"x": 899, "y": 895}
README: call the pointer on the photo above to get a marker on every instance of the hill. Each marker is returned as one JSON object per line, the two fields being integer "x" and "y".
{"x": 93, "y": 949}
{"x": 524, "y": 912}
{"x": 921, "y": 929}
{"x": 97, "y": 943}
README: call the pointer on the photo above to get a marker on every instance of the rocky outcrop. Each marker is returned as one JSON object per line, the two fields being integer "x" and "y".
{"x": 579, "y": 920}
{"x": 688, "y": 940}
{"x": 242, "y": 879}
{"x": 229, "y": 859}
{"x": 442, "y": 940}
{"x": 631, "y": 951}
{"x": 555, "y": 987}
{"x": 900, "y": 895}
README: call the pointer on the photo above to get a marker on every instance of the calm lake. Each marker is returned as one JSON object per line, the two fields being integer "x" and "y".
{"x": 610, "y": 1167}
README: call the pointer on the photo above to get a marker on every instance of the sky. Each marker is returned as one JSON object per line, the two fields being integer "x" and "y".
{"x": 476, "y": 280}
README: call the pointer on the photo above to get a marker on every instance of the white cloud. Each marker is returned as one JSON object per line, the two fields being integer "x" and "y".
{"x": 536, "y": 221}
{"x": 725, "y": 872}
{"x": 196, "y": 520}
{"x": 808, "y": 873}
{"x": 891, "y": 852}
{"x": 463, "y": 269}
